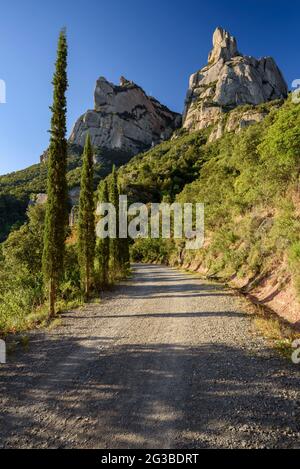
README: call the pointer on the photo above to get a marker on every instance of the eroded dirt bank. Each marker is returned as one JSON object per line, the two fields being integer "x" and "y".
{"x": 274, "y": 291}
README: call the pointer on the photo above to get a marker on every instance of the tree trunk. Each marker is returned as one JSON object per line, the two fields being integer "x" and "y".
{"x": 87, "y": 283}
{"x": 51, "y": 298}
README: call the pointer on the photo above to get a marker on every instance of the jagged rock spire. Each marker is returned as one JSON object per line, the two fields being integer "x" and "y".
{"x": 228, "y": 81}
{"x": 224, "y": 46}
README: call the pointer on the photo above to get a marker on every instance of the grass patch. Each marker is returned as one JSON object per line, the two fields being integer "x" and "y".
{"x": 55, "y": 323}
{"x": 278, "y": 333}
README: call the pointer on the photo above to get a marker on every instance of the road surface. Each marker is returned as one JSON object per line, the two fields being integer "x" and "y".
{"x": 164, "y": 361}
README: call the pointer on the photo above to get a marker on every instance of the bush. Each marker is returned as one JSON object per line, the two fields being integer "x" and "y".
{"x": 151, "y": 250}
{"x": 22, "y": 293}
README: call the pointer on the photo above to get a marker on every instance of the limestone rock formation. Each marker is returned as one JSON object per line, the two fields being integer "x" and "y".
{"x": 125, "y": 119}
{"x": 230, "y": 80}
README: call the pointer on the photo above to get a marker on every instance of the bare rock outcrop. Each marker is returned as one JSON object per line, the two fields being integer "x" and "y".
{"x": 125, "y": 118}
{"x": 230, "y": 80}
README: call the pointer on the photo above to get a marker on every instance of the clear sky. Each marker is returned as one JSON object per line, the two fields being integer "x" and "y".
{"x": 155, "y": 43}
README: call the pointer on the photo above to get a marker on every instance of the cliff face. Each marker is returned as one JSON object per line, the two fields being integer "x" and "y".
{"x": 230, "y": 80}
{"x": 125, "y": 118}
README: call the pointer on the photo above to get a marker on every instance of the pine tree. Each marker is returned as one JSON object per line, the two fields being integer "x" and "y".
{"x": 56, "y": 210}
{"x": 86, "y": 219}
{"x": 103, "y": 244}
{"x": 115, "y": 251}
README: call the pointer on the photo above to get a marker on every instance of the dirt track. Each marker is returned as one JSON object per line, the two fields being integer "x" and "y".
{"x": 166, "y": 361}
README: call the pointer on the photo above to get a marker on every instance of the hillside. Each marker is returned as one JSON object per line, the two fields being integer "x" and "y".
{"x": 164, "y": 170}
{"x": 150, "y": 255}
{"x": 237, "y": 152}
{"x": 18, "y": 188}
{"x": 231, "y": 92}
{"x": 249, "y": 182}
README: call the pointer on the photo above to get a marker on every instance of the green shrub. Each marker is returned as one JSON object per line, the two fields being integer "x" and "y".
{"x": 21, "y": 283}
{"x": 151, "y": 250}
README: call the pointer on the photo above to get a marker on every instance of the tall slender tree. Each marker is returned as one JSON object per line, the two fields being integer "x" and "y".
{"x": 56, "y": 211}
{"x": 115, "y": 251}
{"x": 103, "y": 244}
{"x": 124, "y": 251}
{"x": 125, "y": 256}
{"x": 86, "y": 219}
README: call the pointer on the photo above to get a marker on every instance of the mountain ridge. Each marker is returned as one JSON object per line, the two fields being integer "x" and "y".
{"x": 125, "y": 122}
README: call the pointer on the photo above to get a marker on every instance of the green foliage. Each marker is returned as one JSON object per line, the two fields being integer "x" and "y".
{"x": 86, "y": 219}
{"x": 113, "y": 256}
{"x": 70, "y": 286}
{"x": 12, "y": 213}
{"x": 25, "y": 246}
{"x": 294, "y": 263}
{"x": 280, "y": 149}
{"x": 16, "y": 189}
{"x": 114, "y": 248}
{"x": 124, "y": 247}
{"x": 165, "y": 169}
{"x": 151, "y": 250}
{"x": 56, "y": 212}
{"x": 103, "y": 244}
{"x": 249, "y": 183}
{"x": 56, "y": 207}
{"x": 248, "y": 187}
{"x": 21, "y": 282}
{"x": 35, "y": 250}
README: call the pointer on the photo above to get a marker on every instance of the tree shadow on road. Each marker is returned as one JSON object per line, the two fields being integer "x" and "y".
{"x": 92, "y": 392}
{"x": 162, "y": 315}
{"x": 146, "y": 290}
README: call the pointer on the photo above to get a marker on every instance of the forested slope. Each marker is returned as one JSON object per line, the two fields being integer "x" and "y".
{"x": 249, "y": 183}
{"x": 16, "y": 189}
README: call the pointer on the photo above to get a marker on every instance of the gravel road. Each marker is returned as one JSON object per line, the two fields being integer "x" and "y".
{"x": 165, "y": 361}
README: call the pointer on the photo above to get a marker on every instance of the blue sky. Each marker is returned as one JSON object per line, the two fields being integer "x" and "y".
{"x": 156, "y": 43}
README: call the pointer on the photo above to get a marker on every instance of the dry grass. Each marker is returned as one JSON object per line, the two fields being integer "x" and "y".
{"x": 54, "y": 323}
{"x": 278, "y": 333}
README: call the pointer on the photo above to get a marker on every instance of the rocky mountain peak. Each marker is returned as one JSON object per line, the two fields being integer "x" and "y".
{"x": 124, "y": 118}
{"x": 229, "y": 80}
{"x": 125, "y": 82}
{"x": 224, "y": 46}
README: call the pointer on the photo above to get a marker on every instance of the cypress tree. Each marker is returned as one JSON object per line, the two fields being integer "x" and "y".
{"x": 115, "y": 251}
{"x": 124, "y": 254}
{"x": 56, "y": 221}
{"x": 103, "y": 244}
{"x": 86, "y": 219}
